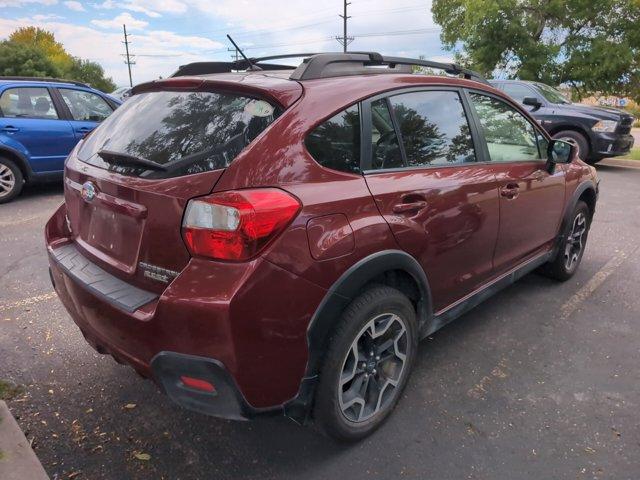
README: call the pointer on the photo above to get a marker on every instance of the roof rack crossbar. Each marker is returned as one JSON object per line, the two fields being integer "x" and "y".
{"x": 355, "y": 63}
{"x": 45, "y": 79}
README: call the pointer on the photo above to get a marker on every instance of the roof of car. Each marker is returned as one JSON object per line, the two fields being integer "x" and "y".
{"x": 41, "y": 81}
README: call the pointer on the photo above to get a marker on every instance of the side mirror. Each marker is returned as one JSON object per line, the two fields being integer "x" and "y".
{"x": 560, "y": 151}
{"x": 532, "y": 102}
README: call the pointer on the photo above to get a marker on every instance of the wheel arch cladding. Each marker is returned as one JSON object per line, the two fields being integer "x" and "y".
{"x": 586, "y": 192}
{"x": 390, "y": 267}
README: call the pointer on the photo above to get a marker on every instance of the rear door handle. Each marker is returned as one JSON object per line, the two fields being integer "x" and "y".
{"x": 84, "y": 129}
{"x": 510, "y": 190}
{"x": 409, "y": 207}
{"x": 10, "y": 129}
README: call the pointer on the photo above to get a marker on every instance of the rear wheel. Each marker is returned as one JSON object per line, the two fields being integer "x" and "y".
{"x": 571, "y": 251}
{"x": 367, "y": 364}
{"x": 577, "y": 139}
{"x": 11, "y": 180}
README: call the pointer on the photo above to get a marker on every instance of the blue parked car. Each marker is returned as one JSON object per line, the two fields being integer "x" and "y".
{"x": 41, "y": 120}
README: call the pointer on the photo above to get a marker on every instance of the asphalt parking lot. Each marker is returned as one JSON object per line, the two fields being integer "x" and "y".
{"x": 541, "y": 381}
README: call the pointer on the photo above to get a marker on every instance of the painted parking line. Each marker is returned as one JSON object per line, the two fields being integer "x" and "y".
{"x": 585, "y": 292}
{"x": 28, "y": 301}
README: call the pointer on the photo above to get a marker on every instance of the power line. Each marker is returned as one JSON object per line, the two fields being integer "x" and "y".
{"x": 128, "y": 60}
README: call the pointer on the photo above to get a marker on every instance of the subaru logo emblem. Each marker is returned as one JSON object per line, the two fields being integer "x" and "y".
{"x": 88, "y": 191}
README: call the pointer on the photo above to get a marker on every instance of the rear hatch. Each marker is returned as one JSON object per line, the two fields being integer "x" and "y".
{"x": 127, "y": 185}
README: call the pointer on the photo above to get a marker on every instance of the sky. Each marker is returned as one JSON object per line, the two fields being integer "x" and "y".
{"x": 169, "y": 33}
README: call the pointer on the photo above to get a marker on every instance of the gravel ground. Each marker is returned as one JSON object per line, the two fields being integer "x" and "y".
{"x": 541, "y": 381}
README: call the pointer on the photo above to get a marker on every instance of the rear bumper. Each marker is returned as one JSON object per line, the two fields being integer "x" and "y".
{"x": 611, "y": 144}
{"x": 242, "y": 325}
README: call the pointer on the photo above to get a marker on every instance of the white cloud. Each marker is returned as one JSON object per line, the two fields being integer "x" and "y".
{"x": 122, "y": 19}
{"x": 46, "y": 17}
{"x": 22, "y": 3}
{"x": 140, "y": 9}
{"x": 75, "y": 6}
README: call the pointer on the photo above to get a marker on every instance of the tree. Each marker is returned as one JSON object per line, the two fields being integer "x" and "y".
{"x": 72, "y": 68}
{"x": 46, "y": 42}
{"x": 593, "y": 45}
{"x": 90, "y": 72}
{"x": 23, "y": 60}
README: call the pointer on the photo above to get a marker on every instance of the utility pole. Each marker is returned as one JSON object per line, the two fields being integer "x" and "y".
{"x": 128, "y": 60}
{"x": 236, "y": 53}
{"x": 344, "y": 40}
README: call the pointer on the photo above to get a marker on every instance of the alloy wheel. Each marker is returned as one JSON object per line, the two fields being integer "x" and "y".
{"x": 373, "y": 368}
{"x": 574, "y": 245}
{"x": 7, "y": 180}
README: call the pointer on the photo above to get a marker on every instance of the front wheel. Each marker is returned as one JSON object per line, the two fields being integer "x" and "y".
{"x": 367, "y": 364}
{"x": 571, "y": 251}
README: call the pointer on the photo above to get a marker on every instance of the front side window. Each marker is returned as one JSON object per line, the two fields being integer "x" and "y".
{"x": 434, "y": 128}
{"x": 86, "y": 106}
{"x": 518, "y": 91}
{"x": 335, "y": 143}
{"x": 27, "y": 103}
{"x": 509, "y": 135}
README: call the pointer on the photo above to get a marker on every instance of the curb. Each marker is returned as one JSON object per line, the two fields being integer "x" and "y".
{"x": 17, "y": 459}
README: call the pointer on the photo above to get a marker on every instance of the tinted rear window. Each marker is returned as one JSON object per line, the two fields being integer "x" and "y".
{"x": 181, "y": 132}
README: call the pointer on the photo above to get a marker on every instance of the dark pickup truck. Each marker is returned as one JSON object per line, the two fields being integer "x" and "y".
{"x": 599, "y": 132}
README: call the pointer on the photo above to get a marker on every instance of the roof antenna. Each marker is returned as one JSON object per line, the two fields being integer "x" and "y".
{"x": 251, "y": 65}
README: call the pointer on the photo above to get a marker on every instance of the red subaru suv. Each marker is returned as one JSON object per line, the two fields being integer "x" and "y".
{"x": 258, "y": 238}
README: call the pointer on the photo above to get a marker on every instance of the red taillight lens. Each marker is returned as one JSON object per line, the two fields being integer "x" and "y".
{"x": 236, "y": 225}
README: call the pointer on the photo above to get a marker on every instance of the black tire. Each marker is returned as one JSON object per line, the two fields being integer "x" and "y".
{"x": 561, "y": 268}
{"x": 580, "y": 140}
{"x": 9, "y": 172}
{"x": 376, "y": 304}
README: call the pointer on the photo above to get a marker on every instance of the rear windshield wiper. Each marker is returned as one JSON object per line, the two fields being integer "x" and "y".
{"x": 125, "y": 159}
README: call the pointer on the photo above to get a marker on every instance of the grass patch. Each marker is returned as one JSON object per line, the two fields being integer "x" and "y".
{"x": 9, "y": 390}
{"x": 634, "y": 154}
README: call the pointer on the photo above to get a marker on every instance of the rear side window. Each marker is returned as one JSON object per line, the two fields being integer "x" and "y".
{"x": 168, "y": 134}
{"x": 434, "y": 128}
{"x": 27, "y": 103}
{"x": 85, "y": 106}
{"x": 335, "y": 143}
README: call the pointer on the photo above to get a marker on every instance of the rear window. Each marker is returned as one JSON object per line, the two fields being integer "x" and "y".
{"x": 168, "y": 134}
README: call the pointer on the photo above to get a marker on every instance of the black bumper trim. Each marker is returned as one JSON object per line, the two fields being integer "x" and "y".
{"x": 227, "y": 400}
{"x": 111, "y": 289}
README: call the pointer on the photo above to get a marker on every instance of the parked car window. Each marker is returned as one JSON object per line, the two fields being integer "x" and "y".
{"x": 335, "y": 143}
{"x": 185, "y": 132}
{"x": 518, "y": 91}
{"x": 27, "y": 103}
{"x": 385, "y": 148}
{"x": 434, "y": 128}
{"x": 552, "y": 95}
{"x": 509, "y": 135}
{"x": 86, "y": 106}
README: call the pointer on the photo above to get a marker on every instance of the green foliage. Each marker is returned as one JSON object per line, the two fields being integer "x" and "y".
{"x": 92, "y": 73}
{"x": 34, "y": 52}
{"x": 593, "y": 45}
{"x": 24, "y": 60}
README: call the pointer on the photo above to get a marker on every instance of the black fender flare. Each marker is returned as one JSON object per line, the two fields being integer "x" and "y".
{"x": 337, "y": 298}
{"x": 571, "y": 205}
{"x": 23, "y": 163}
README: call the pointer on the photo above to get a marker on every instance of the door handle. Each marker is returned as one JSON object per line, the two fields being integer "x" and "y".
{"x": 84, "y": 129}
{"x": 10, "y": 129}
{"x": 510, "y": 190}
{"x": 409, "y": 207}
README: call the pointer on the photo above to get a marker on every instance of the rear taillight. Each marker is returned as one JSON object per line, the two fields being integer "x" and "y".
{"x": 236, "y": 225}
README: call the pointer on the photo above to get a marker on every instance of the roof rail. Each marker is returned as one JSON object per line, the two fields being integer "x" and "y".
{"x": 46, "y": 79}
{"x": 254, "y": 63}
{"x": 326, "y": 65}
